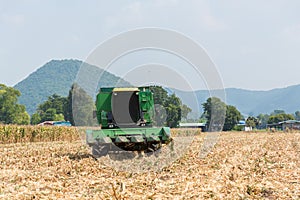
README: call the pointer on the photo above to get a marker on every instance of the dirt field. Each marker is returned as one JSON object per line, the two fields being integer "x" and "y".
{"x": 241, "y": 166}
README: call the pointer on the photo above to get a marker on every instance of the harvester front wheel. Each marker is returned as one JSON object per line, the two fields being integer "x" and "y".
{"x": 99, "y": 150}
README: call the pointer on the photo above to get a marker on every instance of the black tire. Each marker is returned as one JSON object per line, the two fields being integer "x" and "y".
{"x": 157, "y": 151}
{"x": 153, "y": 149}
{"x": 99, "y": 150}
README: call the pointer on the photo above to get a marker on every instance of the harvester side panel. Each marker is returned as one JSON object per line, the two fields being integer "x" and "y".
{"x": 103, "y": 106}
{"x": 147, "y": 105}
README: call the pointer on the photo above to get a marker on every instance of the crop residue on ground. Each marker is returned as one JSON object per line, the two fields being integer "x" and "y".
{"x": 241, "y": 166}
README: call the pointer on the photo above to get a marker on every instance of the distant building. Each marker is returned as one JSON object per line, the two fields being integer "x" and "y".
{"x": 242, "y": 123}
{"x": 289, "y": 124}
{"x": 193, "y": 125}
{"x": 55, "y": 123}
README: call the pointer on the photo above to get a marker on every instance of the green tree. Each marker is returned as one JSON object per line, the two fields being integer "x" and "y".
{"x": 55, "y": 101}
{"x": 252, "y": 122}
{"x": 297, "y": 115}
{"x": 35, "y": 118}
{"x": 275, "y": 112}
{"x": 215, "y": 112}
{"x": 174, "y": 109}
{"x": 160, "y": 115}
{"x": 202, "y": 119}
{"x": 262, "y": 120}
{"x": 273, "y": 119}
{"x": 80, "y": 107}
{"x": 232, "y": 118}
{"x": 10, "y": 111}
{"x": 185, "y": 110}
{"x": 20, "y": 116}
{"x": 50, "y": 110}
{"x": 68, "y": 113}
{"x": 219, "y": 115}
{"x": 59, "y": 117}
{"x": 49, "y": 115}
{"x": 159, "y": 94}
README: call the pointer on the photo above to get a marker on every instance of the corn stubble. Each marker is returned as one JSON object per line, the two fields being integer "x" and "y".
{"x": 241, "y": 166}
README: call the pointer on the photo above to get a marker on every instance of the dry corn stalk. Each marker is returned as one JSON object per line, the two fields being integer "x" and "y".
{"x": 16, "y": 134}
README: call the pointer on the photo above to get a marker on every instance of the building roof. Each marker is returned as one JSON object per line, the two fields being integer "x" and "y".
{"x": 55, "y": 123}
{"x": 285, "y": 122}
{"x": 242, "y": 122}
{"x": 289, "y": 122}
{"x": 191, "y": 124}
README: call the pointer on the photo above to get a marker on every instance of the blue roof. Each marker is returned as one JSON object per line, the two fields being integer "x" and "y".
{"x": 62, "y": 123}
{"x": 242, "y": 122}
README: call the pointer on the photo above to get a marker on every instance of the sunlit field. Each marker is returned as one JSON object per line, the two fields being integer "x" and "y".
{"x": 241, "y": 165}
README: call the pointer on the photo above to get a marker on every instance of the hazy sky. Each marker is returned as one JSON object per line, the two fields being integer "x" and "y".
{"x": 255, "y": 44}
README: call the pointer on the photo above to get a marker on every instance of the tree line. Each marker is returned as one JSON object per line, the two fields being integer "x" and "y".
{"x": 232, "y": 116}
{"x": 169, "y": 110}
{"x": 80, "y": 112}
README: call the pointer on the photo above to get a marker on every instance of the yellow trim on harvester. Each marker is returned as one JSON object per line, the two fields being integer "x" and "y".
{"x": 125, "y": 89}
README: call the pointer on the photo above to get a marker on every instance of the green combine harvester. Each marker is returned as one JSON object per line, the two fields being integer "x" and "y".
{"x": 126, "y": 119}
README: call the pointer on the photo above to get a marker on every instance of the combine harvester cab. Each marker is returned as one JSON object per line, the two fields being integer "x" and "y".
{"x": 126, "y": 119}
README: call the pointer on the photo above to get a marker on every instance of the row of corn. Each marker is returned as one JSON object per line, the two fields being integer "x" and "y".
{"x": 16, "y": 134}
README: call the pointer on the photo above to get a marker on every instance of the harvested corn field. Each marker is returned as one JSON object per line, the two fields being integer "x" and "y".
{"x": 240, "y": 166}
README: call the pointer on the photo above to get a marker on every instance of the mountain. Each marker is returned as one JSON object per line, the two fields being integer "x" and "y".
{"x": 249, "y": 102}
{"x": 57, "y": 77}
{"x": 256, "y": 102}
